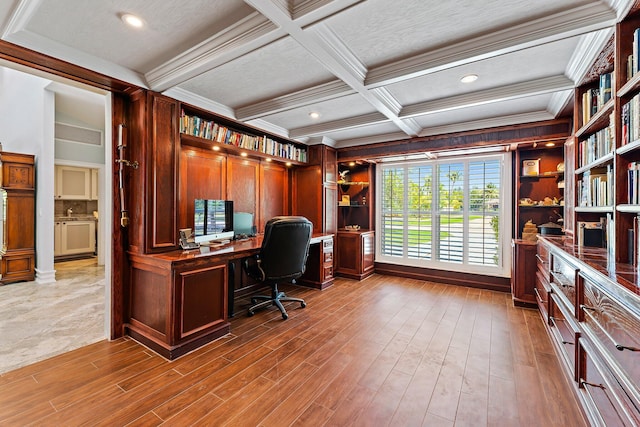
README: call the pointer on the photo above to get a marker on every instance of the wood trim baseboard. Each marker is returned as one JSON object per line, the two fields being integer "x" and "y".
{"x": 493, "y": 283}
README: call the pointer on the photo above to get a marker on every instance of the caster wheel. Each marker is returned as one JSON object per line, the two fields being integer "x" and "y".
{"x": 285, "y": 316}
{"x": 251, "y": 313}
{"x": 303, "y": 304}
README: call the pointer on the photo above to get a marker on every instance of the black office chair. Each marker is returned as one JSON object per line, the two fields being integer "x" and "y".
{"x": 282, "y": 258}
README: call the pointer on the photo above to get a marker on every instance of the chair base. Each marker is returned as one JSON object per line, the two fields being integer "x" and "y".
{"x": 275, "y": 299}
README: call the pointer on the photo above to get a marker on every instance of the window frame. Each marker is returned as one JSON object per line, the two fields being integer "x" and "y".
{"x": 503, "y": 268}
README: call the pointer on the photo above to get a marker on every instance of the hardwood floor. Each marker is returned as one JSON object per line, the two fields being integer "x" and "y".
{"x": 384, "y": 351}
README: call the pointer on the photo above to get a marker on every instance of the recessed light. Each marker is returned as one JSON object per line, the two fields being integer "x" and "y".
{"x": 469, "y": 78}
{"x": 216, "y": 148}
{"x": 550, "y": 144}
{"x": 288, "y": 163}
{"x": 243, "y": 154}
{"x": 352, "y": 163}
{"x": 132, "y": 20}
{"x": 268, "y": 159}
{"x": 314, "y": 115}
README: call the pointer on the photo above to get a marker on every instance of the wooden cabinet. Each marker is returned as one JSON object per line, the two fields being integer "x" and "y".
{"x": 94, "y": 184}
{"x": 17, "y": 189}
{"x": 355, "y": 195}
{"x": 319, "y": 270}
{"x": 73, "y": 183}
{"x": 177, "y": 305}
{"x": 523, "y": 272}
{"x": 539, "y": 185}
{"x": 594, "y": 323}
{"x": 355, "y": 254}
{"x": 314, "y": 189}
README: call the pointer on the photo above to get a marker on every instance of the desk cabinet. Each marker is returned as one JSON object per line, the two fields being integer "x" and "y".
{"x": 594, "y": 324}
{"x": 355, "y": 254}
{"x": 523, "y": 272}
{"x": 319, "y": 270}
{"x": 177, "y": 305}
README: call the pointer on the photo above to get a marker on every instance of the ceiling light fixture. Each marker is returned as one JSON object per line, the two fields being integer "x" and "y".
{"x": 132, "y": 20}
{"x": 314, "y": 115}
{"x": 469, "y": 78}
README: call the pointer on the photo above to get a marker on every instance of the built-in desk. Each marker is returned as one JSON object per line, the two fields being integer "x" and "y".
{"x": 179, "y": 299}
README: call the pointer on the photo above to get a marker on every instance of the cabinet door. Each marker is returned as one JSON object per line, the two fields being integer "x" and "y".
{"x": 78, "y": 237}
{"x": 73, "y": 183}
{"x": 57, "y": 236}
{"x": 94, "y": 184}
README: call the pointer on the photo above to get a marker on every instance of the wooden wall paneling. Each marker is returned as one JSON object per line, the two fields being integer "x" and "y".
{"x": 135, "y": 135}
{"x": 307, "y": 196}
{"x": 243, "y": 183}
{"x": 274, "y": 191}
{"x": 203, "y": 175}
{"x": 119, "y": 239}
{"x": 162, "y": 174}
{"x": 569, "y": 185}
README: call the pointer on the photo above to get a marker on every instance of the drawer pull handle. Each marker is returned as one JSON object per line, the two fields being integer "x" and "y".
{"x": 544, "y": 301}
{"x": 586, "y": 307}
{"x": 624, "y": 347}
{"x": 568, "y": 342}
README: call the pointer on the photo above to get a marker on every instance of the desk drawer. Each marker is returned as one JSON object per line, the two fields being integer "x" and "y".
{"x": 616, "y": 330}
{"x": 563, "y": 281}
{"x": 608, "y": 404}
{"x": 542, "y": 291}
{"x": 564, "y": 331}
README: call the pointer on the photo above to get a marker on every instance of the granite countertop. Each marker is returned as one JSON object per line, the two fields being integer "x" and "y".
{"x": 76, "y": 217}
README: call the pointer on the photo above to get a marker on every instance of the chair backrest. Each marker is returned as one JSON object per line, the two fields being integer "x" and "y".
{"x": 285, "y": 247}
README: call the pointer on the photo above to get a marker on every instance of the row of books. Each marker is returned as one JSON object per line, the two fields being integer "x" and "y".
{"x": 631, "y": 120}
{"x": 633, "y": 65}
{"x": 594, "y": 99}
{"x": 633, "y": 183}
{"x": 594, "y": 189}
{"x": 597, "y": 145}
{"x": 208, "y": 129}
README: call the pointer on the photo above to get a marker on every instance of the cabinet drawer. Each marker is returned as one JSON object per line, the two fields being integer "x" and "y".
{"x": 328, "y": 257}
{"x": 607, "y": 404}
{"x": 327, "y": 245}
{"x": 328, "y": 272}
{"x": 564, "y": 331}
{"x": 543, "y": 257}
{"x": 617, "y": 330}
{"x": 563, "y": 280}
{"x": 542, "y": 292}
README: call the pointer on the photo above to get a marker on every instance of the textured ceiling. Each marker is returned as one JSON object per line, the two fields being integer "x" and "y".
{"x": 376, "y": 70}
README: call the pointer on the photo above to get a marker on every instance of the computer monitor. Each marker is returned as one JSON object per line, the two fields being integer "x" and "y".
{"x": 243, "y": 224}
{"x": 213, "y": 220}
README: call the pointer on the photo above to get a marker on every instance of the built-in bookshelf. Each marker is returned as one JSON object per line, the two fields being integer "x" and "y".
{"x": 227, "y": 133}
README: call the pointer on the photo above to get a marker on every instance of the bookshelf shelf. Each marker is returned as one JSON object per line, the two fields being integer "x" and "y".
{"x": 626, "y": 208}
{"x": 203, "y": 128}
{"x": 594, "y": 209}
{"x": 598, "y": 121}
{"x": 599, "y": 162}
{"x": 632, "y": 85}
{"x": 543, "y": 175}
{"x": 627, "y": 148}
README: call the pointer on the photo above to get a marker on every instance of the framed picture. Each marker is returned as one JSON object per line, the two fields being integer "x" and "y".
{"x": 531, "y": 167}
{"x": 346, "y": 200}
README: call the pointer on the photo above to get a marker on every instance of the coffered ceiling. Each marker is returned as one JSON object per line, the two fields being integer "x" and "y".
{"x": 374, "y": 71}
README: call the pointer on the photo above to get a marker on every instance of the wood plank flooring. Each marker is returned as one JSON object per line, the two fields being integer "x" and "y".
{"x": 383, "y": 351}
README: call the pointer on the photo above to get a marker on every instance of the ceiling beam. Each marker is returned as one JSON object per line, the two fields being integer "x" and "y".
{"x": 331, "y": 52}
{"x": 569, "y": 23}
{"x": 488, "y": 96}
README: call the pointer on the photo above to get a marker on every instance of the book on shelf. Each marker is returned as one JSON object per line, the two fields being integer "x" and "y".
{"x": 604, "y": 89}
{"x": 210, "y": 130}
{"x": 633, "y": 183}
{"x": 594, "y": 189}
{"x": 597, "y": 145}
{"x": 634, "y": 52}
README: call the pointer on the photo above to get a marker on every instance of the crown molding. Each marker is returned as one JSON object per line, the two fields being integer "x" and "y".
{"x": 244, "y": 36}
{"x": 558, "y": 102}
{"x": 536, "y": 116}
{"x": 503, "y": 93}
{"x": 317, "y": 140}
{"x": 301, "y": 98}
{"x": 589, "y": 47}
{"x": 569, "y": 23}
{"x": 269, "y": 127}
{"x": 22, "y": 13}
{"x": 199, "y": 101}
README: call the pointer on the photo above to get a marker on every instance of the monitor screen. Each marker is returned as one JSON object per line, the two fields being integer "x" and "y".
{"x": 212, "y": 217}
{"x": 243, "y": 223}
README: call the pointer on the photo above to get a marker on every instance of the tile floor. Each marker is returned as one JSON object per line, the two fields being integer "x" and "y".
{"x": 40, "y": 321}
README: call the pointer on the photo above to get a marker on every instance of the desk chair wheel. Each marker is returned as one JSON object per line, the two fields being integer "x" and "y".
{"x": 303, "y": 304}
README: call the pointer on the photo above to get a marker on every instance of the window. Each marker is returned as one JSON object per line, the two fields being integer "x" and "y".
{"x": 451, "y": 213}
